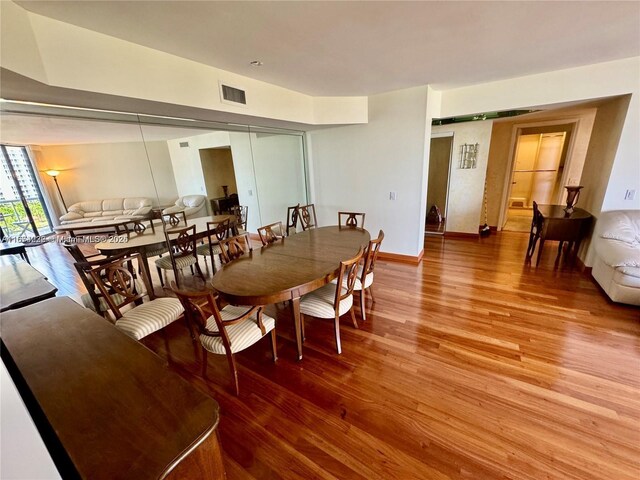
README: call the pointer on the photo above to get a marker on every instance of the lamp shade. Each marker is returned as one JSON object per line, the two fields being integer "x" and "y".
{"x": 52, "y": 173}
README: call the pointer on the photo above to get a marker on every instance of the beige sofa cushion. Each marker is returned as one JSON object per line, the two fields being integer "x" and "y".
{"x": 112, "y": 208}
{"x": 627, "y": 276}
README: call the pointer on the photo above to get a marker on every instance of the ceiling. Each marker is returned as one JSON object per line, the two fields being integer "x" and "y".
{"x": 361, "y": 48}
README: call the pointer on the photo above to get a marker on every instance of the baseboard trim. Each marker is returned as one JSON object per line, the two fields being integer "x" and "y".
{"x": 461, "y": 235}
{"x": 396, "y": 257}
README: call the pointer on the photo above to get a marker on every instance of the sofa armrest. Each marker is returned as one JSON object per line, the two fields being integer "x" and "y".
{"x": 174, "y": 209}
{"x": 617, "y": 253}
{"x": 70, "y": 216}
{"x": 141, "y": 212}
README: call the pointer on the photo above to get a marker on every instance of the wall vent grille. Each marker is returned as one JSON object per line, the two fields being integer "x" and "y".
{"x": 184, "y": 144}
{"x": 235, "y": 95}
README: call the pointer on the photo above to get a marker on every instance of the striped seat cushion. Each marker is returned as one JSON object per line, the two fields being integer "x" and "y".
{"x": 181, "y": 262}
{"x": 204, "y": 249}
{"x": 150, "y": 317}
{"x": 117, "y": 298}
{"x": 368, "y": 281}
{"x": 320, "y": 303}
{"x": 241, "y": 335}
{"x": 157, "y": 251}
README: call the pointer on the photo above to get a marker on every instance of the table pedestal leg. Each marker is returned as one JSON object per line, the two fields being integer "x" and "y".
{"x": 295, "y": 308}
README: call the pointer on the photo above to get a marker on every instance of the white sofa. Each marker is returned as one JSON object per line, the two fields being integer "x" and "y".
{"x": 110, "y": 209}
{"x": 192, "y": 205}
{"x": 616, "y": 266}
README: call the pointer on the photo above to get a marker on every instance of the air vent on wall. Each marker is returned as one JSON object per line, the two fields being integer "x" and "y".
{"x": 184, "y": 144}
{"x": 233, "y": 95}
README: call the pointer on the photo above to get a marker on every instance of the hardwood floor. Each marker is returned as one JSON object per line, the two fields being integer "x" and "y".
{"x": 471, "y": 365}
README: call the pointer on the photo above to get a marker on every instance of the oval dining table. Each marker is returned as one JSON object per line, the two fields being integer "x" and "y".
{"x": 289, "y": 268}
{"x": 153, "y": 239}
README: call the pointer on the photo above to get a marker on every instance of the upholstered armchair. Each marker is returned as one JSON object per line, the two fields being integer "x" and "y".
{"x": 192, "y": 205}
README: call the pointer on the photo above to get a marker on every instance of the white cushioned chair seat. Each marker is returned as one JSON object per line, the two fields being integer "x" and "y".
{"x": 150, "y": 317}
{"x": 157, "y": 251}
{"x": 88, "y": 302}
{"x": 204, "y": 249}
{"x": 320, "y": 303}
{"x": 241, "y": 335}
{"x": 181, "y": 262}
{"x": 368, "y": 281}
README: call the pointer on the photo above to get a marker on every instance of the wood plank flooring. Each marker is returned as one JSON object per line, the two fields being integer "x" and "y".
{"x": 471, "y": 365}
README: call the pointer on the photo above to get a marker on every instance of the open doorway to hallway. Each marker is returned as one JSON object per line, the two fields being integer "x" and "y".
{"x": 438, "y": 182}
{"x": 538, "y": 172}
{"x": 219, "y": 178}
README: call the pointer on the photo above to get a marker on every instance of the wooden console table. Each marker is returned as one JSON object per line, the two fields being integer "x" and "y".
{"x": 22, "y": 285}
{"x": 106, "y": 406}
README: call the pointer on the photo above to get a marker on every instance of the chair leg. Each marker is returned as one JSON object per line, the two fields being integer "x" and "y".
{"x": 302, "y": 327}
{"x": 191, "y": 267}
{"x": 363, "y": 314}
{"x": 353, "y": 318}
{"x": 234, "y": 372}
{"x": 176, "y": 276}
{"x": 336, "y": 324}
{"x": 373, "y": 300}
{"x": 274, "y": 347}
{"x": 200, "y": 272}
{"x": 204, "y": 362}
{"x": 540, "y": 246}
{"x": 160, "y": 275}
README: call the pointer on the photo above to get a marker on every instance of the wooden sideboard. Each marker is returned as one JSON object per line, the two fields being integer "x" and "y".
{"x": 223, "y": 204}
{"x": 106, "y": 406}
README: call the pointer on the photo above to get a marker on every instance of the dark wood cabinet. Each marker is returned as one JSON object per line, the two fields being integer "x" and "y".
{"x": 223, "y": 204}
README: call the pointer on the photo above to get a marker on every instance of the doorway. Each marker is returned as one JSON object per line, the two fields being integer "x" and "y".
{"x": 219, "y": 178}
{"x": 538, "y": 166}
{"x": 438, "y": 183}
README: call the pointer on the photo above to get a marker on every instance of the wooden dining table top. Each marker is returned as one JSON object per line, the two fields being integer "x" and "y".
{"x": 22, "y": 285}
{"x": 149, "y": 238}
{"x": 289, "y": 268}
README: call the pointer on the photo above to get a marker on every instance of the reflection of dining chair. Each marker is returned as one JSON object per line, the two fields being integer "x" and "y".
{"x": 227, "y": 331}
{"x": 171, "y": 220}
{"x": 116, "y": 281}
{"x": 215, "y": 233}
{"x": 241, "y": 212}
{"x": 182, "y": 252}
{"x": 292, "y": 219}
{"x": 234, "y": 247}
{"x": 351, "y": 219}
{"x": 365, "y": 272}
{"x": 334, "y": 299}
{"x": 271, "y": 233}
{"x": 307, "y": 216}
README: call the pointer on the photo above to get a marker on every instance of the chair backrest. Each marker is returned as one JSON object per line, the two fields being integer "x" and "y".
{"x": 347, "y": 279}
{"x": 171, "y": 220}
{"x": 217, "y": 231}
{"x": 85, "y": 277}
{"x": 371, "y": 255}
{"x": 241, "y": 212}
{"x": 181, "y": 242}
{"x": 292, "y": 218}
{"x": 351, "y": 219}
{"x": 116, "y": 280}
{"x": 271, "y": 233}
{"x": 536, "y": 222}
{"x": 307, "y": 216}
{"x": 235, "y": 247}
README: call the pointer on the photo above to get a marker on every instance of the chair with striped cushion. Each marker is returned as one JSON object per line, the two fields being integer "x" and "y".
{"x": 215, "y": 233}
{"x": 307, "y": 216}
{"x": 227, "y": 331}
{"x": 351, "y": 219}
{"x": 271, "y": 233}
{"x": 241, "y": 212}
{"x": 365, "y": 272}
{"x": 234, "y": 247}
{"x": 182, "y": 252}
{"x": 116, "y": 281}
{"x": 332, "y": 301}
{"x": 93, "y": 298}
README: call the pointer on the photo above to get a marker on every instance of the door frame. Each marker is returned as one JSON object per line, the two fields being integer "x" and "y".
{"x": 509, "y": 172}
{"x": 449, "y": 133}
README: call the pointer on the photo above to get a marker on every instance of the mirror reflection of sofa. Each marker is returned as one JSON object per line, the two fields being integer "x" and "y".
{"x": 616, "y": 266}
{"x": 109, "y": 209}
{"x": 192, "y": 205}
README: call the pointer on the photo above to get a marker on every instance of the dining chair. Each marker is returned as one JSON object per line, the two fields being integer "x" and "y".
{"x": 216, "y": 231}
{"x": 292, "y": 219}
{"x": 170, "y": 220}
{"x": 307, "y": 216}
{"x": 334, "y": 299}
{"x": 241, "y": 212}
{"x": 537, "y": 233}
{"x": 227, "y": 331}
{"x": 364, "y": 280}
{"x": 271, "y": 233}
{"x": 234, "y": 247}
{"x": 93, "y": 298}
{"x": 116, "y": 281}
{"x": 182, "y": 252}
{"x": 353, "y": 219}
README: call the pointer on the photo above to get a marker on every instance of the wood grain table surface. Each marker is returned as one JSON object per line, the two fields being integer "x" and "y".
{"x": 21, "y": 284}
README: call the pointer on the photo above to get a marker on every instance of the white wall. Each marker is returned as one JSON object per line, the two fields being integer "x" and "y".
{"x": 466, "y": 186}
{"x": 111, "y": 170}
{"x": 355, "y": 168}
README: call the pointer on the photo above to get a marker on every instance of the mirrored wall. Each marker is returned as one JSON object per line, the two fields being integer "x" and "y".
{"x": 105, "y": 155}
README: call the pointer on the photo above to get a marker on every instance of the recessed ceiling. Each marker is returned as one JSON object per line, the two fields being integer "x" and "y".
{"x": 361, "y": 48}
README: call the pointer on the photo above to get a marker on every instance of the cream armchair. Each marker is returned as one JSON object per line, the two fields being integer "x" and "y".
{"x": 616, "y": 266}
{"x": 192, "y": 205}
